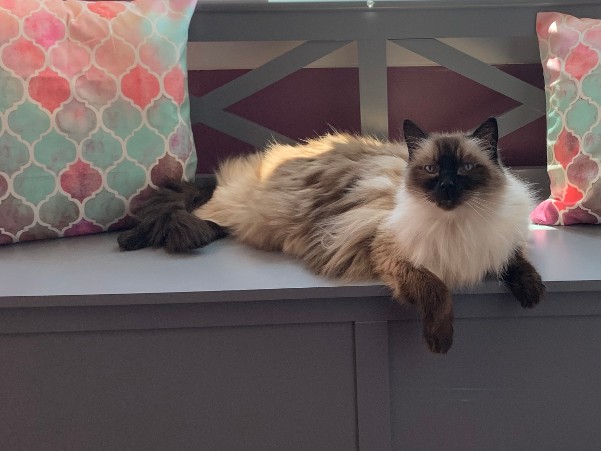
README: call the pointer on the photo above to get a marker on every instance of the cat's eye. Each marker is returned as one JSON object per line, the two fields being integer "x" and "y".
{"x": 468, "y": 167}
{"x": 431, "y": 168}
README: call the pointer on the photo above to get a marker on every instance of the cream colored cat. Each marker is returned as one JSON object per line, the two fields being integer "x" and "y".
{"x": 426, "y": 216}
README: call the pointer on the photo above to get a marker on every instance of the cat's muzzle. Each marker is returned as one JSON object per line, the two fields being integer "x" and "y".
{"x": 447, "y": 204}
{"x": 446, "y": 195}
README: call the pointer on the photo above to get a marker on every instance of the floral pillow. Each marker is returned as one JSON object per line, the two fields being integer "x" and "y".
{"x": 94, "y": 112}
{"x": 570, "y": 50}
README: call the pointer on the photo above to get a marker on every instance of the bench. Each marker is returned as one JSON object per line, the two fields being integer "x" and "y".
{"x": 230, "y": 348}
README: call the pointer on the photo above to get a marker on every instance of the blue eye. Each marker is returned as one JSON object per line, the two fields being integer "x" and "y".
{"x": 467, "y": 167}
{"x": 431, "y": 168}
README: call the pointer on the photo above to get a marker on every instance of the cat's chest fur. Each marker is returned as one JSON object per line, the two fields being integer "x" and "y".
{"x": 464, "y": 245}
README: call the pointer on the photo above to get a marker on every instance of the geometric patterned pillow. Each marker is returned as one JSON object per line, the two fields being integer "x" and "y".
{"x": 94, "y": 112}
{"x": 570, "y": 50}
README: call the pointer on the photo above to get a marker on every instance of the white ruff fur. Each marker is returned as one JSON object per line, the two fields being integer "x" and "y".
{"x": 463, "y": 245}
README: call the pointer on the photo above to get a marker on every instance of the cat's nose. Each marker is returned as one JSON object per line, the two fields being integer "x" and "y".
{"x": 446, "y": 184}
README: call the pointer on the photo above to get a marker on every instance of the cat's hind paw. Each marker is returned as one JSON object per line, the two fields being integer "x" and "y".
{"x": 187, "y": 232}
{"x": 133, "y": 239}
{"x": 166, "y": 220}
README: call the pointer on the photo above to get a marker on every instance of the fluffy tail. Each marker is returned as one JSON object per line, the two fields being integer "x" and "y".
{"x": 166, "y": 220}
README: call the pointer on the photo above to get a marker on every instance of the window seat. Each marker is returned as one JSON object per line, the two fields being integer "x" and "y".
{"x": 242, "y": 349}
{"x": 91, "y": 271}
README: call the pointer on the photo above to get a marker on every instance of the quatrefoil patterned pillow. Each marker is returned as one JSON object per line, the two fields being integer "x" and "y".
{"x": 94, "y": 112}
{"x": 570, "y": 50}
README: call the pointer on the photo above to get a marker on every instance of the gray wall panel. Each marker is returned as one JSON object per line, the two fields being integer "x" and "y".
{"x": 253, "y": 388}
{"x": 519, "y": 384}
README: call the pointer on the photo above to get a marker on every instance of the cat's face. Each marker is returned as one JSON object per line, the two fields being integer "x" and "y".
{"x": 450, "y": 169}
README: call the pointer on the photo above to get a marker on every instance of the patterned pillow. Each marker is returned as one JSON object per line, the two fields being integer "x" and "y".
{"x": 94, "y": 111}
{"x": 570, "y": 50}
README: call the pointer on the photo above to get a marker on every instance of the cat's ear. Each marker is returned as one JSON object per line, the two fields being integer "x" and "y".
{"x": 413, "y": 136}
{"x": 488, "y": 134}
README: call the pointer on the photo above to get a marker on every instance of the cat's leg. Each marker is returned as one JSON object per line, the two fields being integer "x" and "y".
{"x": 523, "y": 280}
{"x": 431, "y": 297}
{"x": 165, "y": 220}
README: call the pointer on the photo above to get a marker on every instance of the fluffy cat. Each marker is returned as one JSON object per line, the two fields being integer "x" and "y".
{"x": 426, "y": 216}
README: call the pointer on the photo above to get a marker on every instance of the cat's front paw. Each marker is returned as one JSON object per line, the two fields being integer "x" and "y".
{"x": 532, "y": 292}
{"x": 524, "y": 281}
{"x": 439, "y": 335}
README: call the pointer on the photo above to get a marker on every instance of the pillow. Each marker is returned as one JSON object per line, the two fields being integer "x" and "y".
{"x": 94, "y": 112}
{"x": 570, "y": 50}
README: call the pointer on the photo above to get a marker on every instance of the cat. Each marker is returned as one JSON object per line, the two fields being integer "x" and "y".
{"x": 428, "y": 215}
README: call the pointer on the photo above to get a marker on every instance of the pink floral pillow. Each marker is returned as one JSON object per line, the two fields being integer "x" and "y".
{"x": 570, "y": 50}
{"x": 94, "y": 111}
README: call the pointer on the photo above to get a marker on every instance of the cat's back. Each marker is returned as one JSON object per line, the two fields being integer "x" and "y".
{"x": 334, "y": 165}
{"x": 294, "y": 197}
{"x": 337, "y": 152}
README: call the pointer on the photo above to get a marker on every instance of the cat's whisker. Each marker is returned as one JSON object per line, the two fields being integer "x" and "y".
{"x": 492, "y": 207}
{"x": 493, "y": 211}
{"x": 479, "y": 197}
{"x": 484, "y": 206}
{"x": 486, "y": 219}
{"x": 489, "y": 211}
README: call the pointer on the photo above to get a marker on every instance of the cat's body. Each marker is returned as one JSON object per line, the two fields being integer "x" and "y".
{"x": 322, "y": 201}
{"x": 436, "y": 213}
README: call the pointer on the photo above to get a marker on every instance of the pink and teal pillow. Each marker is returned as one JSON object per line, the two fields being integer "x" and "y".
{"x": 94, "y": 112}
{"x": 570, "y": 50}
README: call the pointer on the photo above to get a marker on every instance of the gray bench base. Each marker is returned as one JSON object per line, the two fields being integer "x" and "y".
{"x": 230, "y": 348}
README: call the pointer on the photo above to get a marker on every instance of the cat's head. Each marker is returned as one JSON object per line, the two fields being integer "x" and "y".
{"x": 448, "y": 169}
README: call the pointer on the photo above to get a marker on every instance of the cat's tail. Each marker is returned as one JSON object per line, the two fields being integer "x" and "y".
{"x": 166, "y": 220}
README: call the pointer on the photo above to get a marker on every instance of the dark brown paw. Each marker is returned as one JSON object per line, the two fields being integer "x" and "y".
{"x": 524, "y": 281}
{"x": 185, "y": 232}
{"x": 531, "y": 294}
{"x": 166, "y": 220}
{"x": 133, "y": 239}
{"x": 439, "y": 337}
